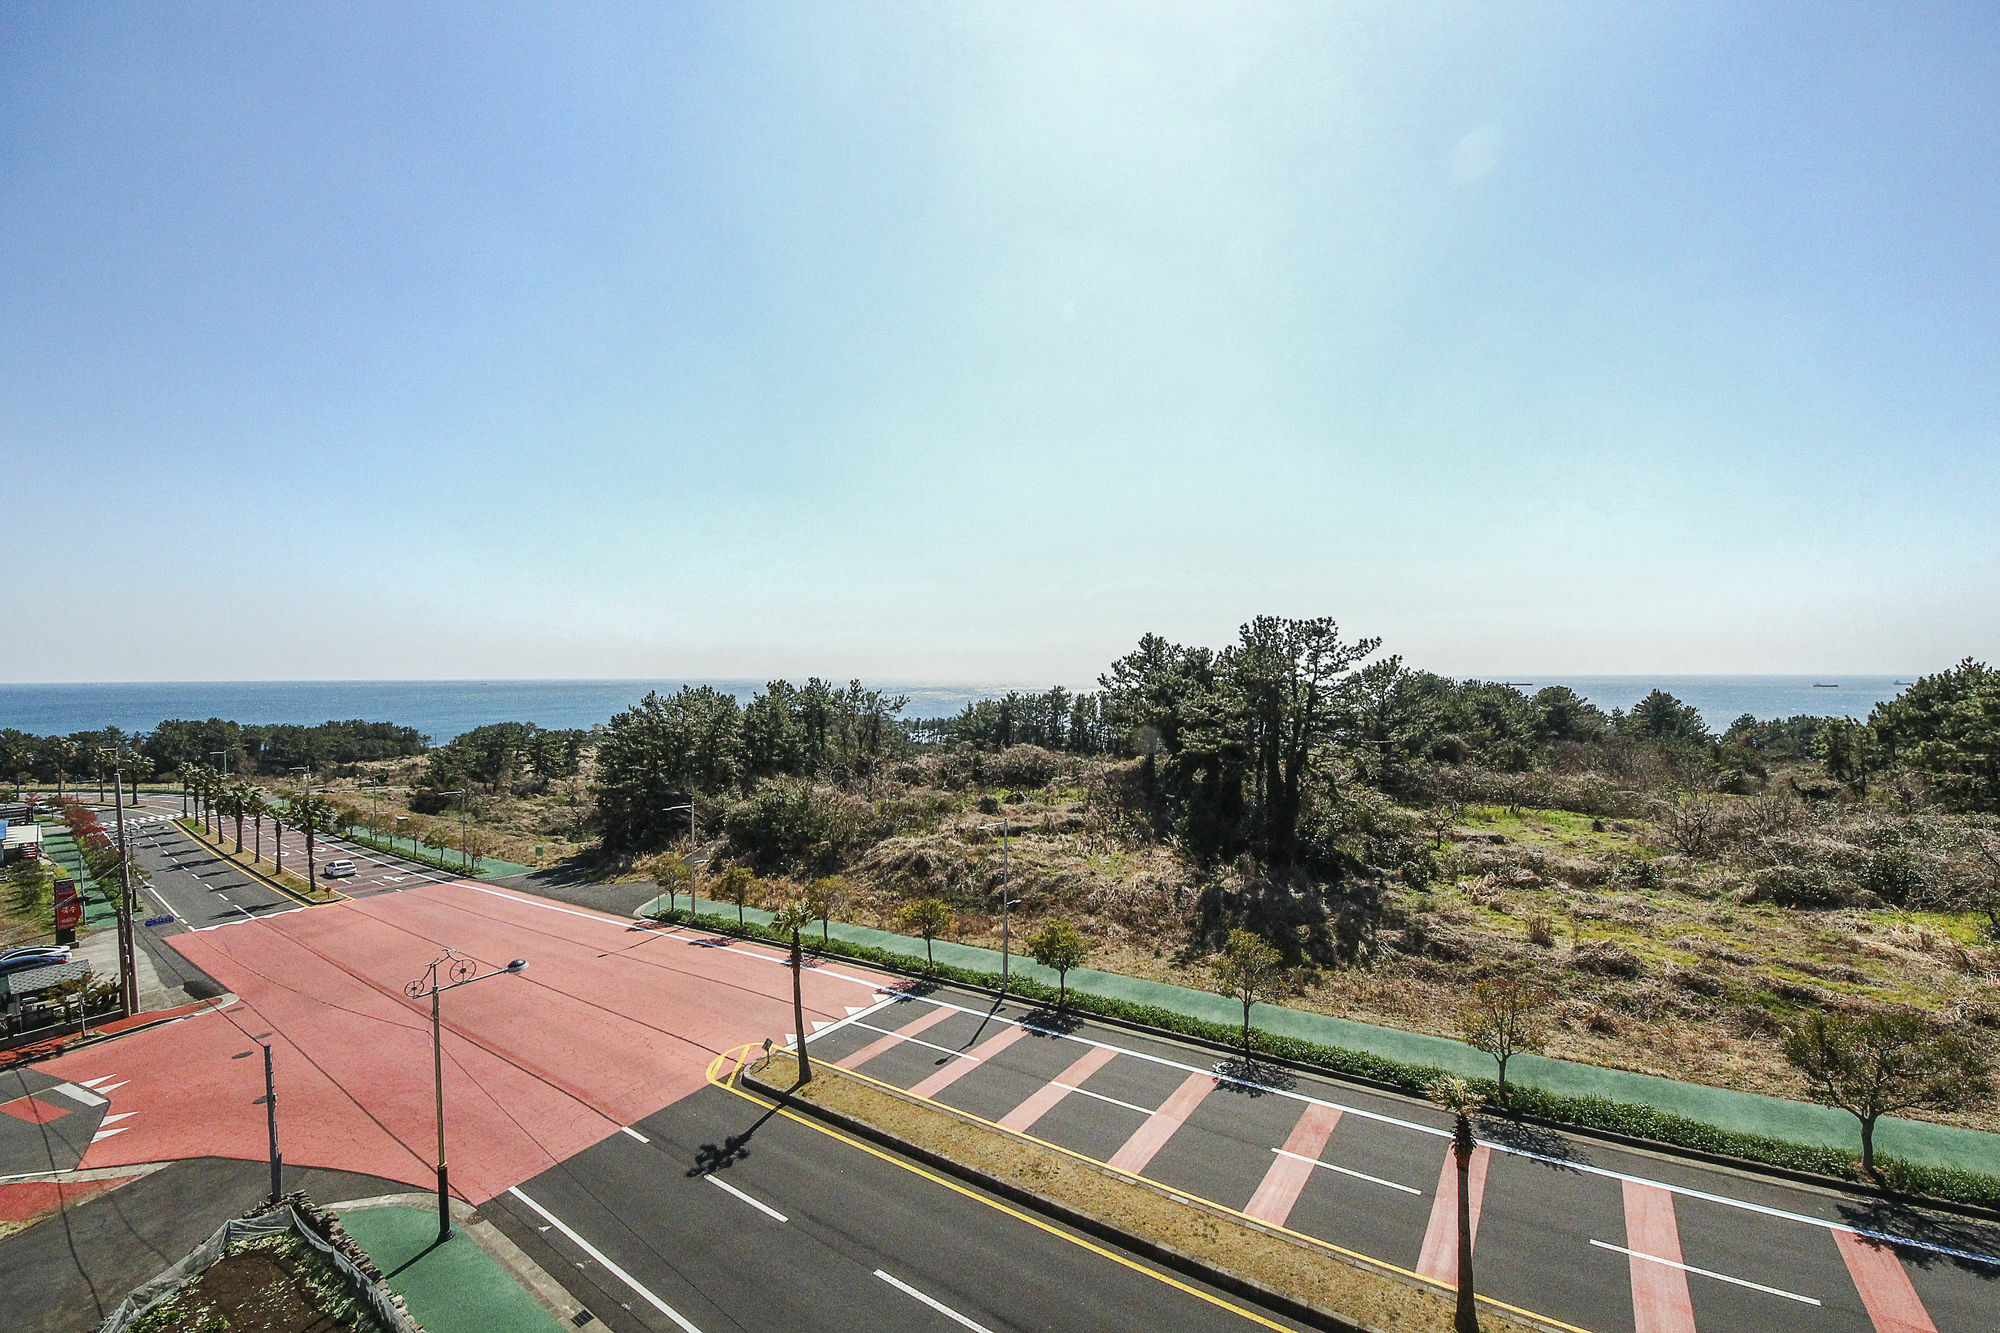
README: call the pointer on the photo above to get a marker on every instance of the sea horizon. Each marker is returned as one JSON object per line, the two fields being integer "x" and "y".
{"x": 445, "y": 707}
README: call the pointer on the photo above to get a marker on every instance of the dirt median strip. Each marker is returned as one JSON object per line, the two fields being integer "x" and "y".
{"x": 1314, "y": 1283}
{"x": 292, "y": 886}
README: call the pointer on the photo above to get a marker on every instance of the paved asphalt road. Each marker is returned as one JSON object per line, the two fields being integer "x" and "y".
{"x": 201, "y": 890}
{"x": 1590, "y": 1234}
{"x": 736, "y": 1219}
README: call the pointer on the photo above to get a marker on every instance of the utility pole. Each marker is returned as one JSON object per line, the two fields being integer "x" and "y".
{"x": 270, "y": 1104}
{"x": 128, "y": 945}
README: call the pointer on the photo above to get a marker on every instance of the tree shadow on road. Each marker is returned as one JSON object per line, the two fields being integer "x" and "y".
{"x": 1537, "y": 1139}
{"x": 712, "y": 1157}
{"x": 1977, "y": 1243}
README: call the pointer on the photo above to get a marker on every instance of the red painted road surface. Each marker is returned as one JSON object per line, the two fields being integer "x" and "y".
{"x": 607, "y": 1026}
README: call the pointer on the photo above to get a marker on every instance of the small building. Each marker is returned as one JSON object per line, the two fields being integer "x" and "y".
{"x": 20, "y": 841}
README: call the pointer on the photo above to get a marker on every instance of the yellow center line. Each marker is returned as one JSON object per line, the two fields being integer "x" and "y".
{"x": 994, "y": 1204}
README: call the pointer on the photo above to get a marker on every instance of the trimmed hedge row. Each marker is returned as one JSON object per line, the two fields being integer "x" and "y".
{"x": 1599, "y": 1113}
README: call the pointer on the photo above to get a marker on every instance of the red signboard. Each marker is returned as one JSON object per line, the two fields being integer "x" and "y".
{"x": 69, "y": 907}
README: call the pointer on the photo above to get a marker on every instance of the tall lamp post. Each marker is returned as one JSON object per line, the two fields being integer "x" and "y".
{"x": 1006, "y": 895}
{"x": 464, "y": 820}
{"x": 694, "y": 840}
{"x": 448, "y": 972}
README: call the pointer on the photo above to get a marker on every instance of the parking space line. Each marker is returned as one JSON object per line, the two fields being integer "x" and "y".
{"x": 1292, "y": 1166}
{"x": 1129, "y": 1106}
{"x": 1660, "y": 1302}
{"x": 968, "y": 1061}
{"x": 1314, "y": 1164}
{"x": 1648, "y": 1326}
{"x": 1439, "y": 1259}
{"x": 920, "y": 1023}
{"x": 1149, "y": 1138}
{"x": 1886, "y": 1293}
{"x": 1044, "y": 1099}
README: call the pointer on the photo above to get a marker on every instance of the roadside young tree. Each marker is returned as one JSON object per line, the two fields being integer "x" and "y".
{"x": 733, "y": 886}
{"x": 825, "y": 895}
{"x": 1457, "y": 1096}
{"x": 926, "y": 918}
{"x": 1250, "y": 970}
{"x": 671, "y": 873}
{"x": 791, "y": 919}
{"x": 1505, "y": 1016}
{"x": 1061, "y": 946}
{"x": 1876, "y": 1064}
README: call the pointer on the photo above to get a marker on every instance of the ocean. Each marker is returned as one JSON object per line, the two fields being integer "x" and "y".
{"x": 441, "y": 709}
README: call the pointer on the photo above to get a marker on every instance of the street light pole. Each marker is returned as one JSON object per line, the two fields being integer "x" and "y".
{"x": 691, "y": 862}
{"x": 1006, "y": 896}
{"x": 464, "y": 825}
{"x": 456, "y": 972}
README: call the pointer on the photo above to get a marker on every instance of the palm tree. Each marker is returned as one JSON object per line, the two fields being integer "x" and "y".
{"x": 237, "y": 802}
{"x": 311, "y": 814}
{"x": 63, "y": 750}
{"x": 1457, "y": 1096}
{"x": 259, "y": 806}
{"x": 795, "y": 918}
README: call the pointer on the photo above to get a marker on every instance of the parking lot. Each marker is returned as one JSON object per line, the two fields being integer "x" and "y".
{"x": 1593, "y": 1236}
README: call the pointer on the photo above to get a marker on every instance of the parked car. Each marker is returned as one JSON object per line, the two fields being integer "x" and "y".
{"x": 337, "y": 869}
{"x": 48, "y": 953}
{"x": 24, "y": 960}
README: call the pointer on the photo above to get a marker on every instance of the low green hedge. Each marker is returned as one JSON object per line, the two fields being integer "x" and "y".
{"x": 1599, "y": 1113}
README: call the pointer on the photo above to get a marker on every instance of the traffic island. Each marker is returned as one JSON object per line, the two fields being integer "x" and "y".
{"x": 460, "y": 1286}
{"x": 1289, "y": 1273}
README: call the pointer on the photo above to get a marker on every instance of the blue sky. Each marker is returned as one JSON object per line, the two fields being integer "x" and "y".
{"x": 971, "y": 341}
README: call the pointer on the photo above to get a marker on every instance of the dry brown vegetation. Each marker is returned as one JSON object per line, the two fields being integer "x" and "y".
{"x": 1660, "y": 961}
{"x": 1679, "y": 935}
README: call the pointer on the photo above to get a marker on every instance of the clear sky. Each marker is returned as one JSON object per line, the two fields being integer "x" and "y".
{"x": 971, "y": 341}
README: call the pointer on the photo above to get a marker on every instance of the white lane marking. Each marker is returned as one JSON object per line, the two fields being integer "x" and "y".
{"x": 109, "y": 1088}
{"x": 1358, "y": 1175}
{"x": 107, "y": 1133}
{"x": 1765, "y": 1210}
{"x": 122, "y": 1115}
{"x": 93, "y": 1082}
{"x": 919, "y": 1041}
{"x": 609, "y": 1267}
{"x": 627, "y": 1129}
{"x": 758, "y": 1204}
{"x": 933, "y": 1302}
{"x": 76, "y": 1094}
{"x": 1071, "y": 1087}
{"x": 1720, "y": 1277}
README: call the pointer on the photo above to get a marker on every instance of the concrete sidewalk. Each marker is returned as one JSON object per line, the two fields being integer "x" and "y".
{"x": 1743, "y": 1112}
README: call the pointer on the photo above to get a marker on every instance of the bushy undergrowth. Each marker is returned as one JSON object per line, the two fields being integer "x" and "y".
{"x": 1598, "y": 1113}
